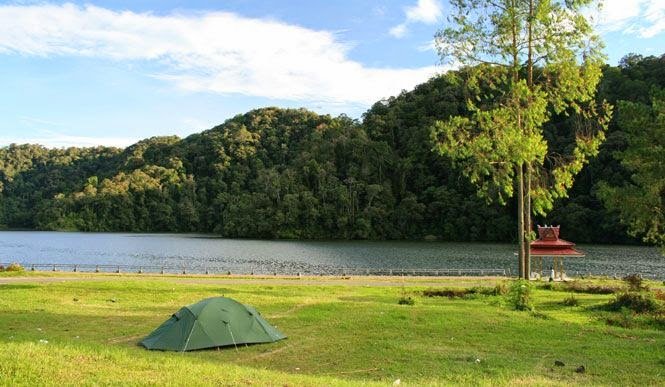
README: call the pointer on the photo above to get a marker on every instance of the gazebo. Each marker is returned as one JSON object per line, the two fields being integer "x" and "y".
{"x": 548, "y": 244}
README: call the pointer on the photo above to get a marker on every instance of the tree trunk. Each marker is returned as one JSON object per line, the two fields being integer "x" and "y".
{"x": 527, "y": 223}
{"x": 527, "y": 210}
{"x": 520, "y": 220}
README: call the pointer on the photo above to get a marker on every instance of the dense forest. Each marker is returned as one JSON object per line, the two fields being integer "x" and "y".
{"x": 285, "y": 173}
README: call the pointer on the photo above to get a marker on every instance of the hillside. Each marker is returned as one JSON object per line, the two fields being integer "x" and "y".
{"x": 286, "y": 173}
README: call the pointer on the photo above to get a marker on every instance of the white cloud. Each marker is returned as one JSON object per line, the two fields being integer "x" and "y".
{"x": 425, "y": 11}
{"x": 398, "y": 31}
{"x": 644, "y": 18}
{"x": 217, "y": 52}
{"x": 428, "y": 46}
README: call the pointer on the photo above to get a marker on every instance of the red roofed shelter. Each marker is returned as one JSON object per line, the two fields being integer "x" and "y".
{"x": 548, "y": 244}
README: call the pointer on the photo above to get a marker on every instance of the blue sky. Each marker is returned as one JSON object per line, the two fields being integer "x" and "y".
{"x": 114, "y": 72}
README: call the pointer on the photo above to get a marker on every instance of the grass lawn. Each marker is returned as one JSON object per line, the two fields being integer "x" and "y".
{"x": 86, "y": 332}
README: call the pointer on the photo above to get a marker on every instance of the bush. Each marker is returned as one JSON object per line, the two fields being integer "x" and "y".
{"x": 547, "y": 286}
{"x": 498, "y": 290}
{"x": 520, "y": 295}
{"x": 624, "y": 319}
{"x": 579, "y": 287}
{"x": 634, "y": 282}
{"x": 637, "y": 302}
{"x": 12, "y": 267}
{"x": 450, "y": 293}
{"x": 406, "y": 301}
{"x": 660, "y": 295}
{"x": 659, "y": 321}
{"x": 570, "y": 301}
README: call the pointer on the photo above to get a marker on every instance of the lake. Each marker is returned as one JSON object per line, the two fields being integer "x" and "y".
{"x": 197, "y": 253}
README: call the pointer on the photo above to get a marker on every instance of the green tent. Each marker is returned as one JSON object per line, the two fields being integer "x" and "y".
{"x": 213, "y": 322}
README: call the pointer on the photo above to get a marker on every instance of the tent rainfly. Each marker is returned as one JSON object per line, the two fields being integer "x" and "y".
{"x": 213, "y": 322}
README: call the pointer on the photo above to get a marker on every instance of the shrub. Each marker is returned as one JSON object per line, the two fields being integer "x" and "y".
{"x": 658, "y": 321}
{"x": 660, "y": 295}
{"x": 578, "y": 287}
{"x": 624, "y": 319}
{"x": 634, "y": 282}
{"x": 520, "y": 295}
{"x": 570, "y": 301}
{"x": 498, "y": 290}
{"x": 547, "y": 286}
{"x": 637, "y": 302}
{"x": 406, "y": 301}
{"x": 450, "y": 293}
{"x": 14, "y": 267}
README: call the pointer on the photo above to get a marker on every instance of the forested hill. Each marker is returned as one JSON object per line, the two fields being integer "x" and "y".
{"x": 284, "y": 173}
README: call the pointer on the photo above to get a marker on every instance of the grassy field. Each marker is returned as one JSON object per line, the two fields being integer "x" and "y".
{"x": 59, "y": 331}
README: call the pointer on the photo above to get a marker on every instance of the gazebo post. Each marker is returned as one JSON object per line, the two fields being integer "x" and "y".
{"x": 540, "y": 266}
{"x": 550, "y": 245}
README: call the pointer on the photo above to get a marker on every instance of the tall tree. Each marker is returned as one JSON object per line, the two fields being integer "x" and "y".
{"x": 532, "y": 59}
{"x": 641, "y": 201}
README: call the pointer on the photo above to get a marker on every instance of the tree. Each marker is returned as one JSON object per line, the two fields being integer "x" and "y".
{"x": 641, "y": 201}
{"x": 531, "y": 59}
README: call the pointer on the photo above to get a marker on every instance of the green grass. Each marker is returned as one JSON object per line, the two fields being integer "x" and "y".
{"x": 337, "y": 335}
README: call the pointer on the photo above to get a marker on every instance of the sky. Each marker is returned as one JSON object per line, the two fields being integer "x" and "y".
{"x": 114, "y": 72}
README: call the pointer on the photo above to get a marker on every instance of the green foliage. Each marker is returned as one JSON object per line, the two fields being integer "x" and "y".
{"x": 270, "y": 173}
{"x": 588, "y": 288}
{"x": 520, "y": 295}
{"x": 12, "y": 267}
{"x": 638, "y": 302}
{"x": 275, "y": 173}
{"x": 641, "y": 200}
{"x": 498, "y": 290}
{"x": 504, "y": 130}
{"x": 635, "y": 283}
{"x": 405, "y": 300}
{"x": 624, "y": 319}
{"x": 584, "y": 214}
{"x": 570, "y": 300}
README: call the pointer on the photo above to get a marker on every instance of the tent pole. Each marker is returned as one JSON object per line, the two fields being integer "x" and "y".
{"x": 189, "y": 336}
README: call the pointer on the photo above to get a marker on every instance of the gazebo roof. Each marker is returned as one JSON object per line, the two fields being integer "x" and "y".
{"x": 548, "y": 244}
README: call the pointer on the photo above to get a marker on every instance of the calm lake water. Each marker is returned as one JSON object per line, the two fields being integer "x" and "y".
{"x": 197, "y": 252}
